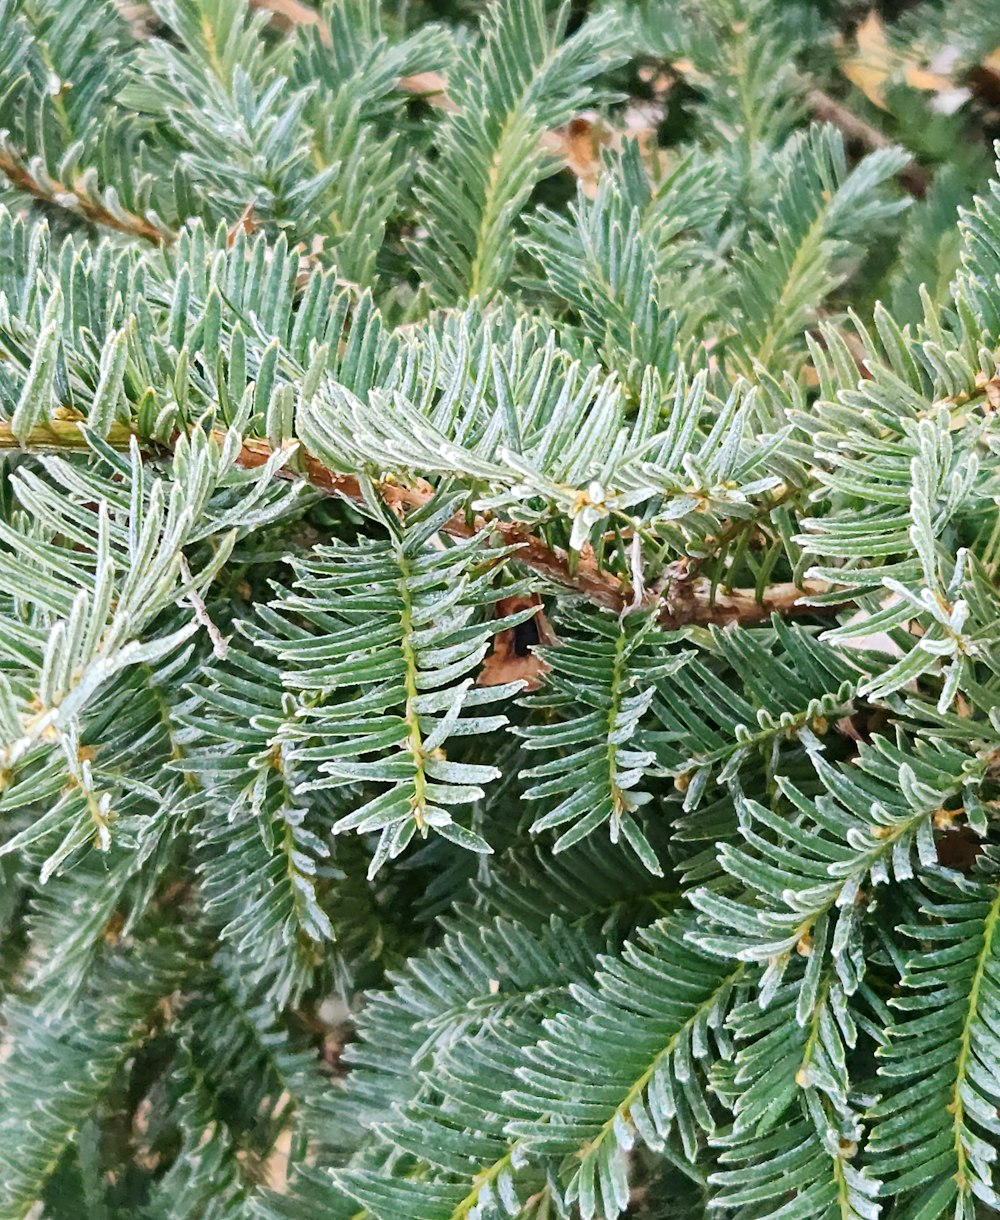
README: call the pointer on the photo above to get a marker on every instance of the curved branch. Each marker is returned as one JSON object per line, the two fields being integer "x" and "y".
{"x": 688, "y": 601}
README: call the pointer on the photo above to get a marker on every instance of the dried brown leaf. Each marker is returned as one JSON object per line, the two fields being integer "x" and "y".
{"x": 244, "y": 224}
{"x": 958, "y": 848}
{"x": 870, "y": 66}
{"x": 431, "y": 86}
{"x": 512, "y": 659}
{"x": 287, "y": 14}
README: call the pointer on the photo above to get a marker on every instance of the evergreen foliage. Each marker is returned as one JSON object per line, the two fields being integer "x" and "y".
{"x": 499, "y": 610}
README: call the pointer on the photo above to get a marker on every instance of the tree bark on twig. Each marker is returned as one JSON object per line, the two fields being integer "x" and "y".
{"x": 61, "y": 195}
{"x": 688, "y": 601}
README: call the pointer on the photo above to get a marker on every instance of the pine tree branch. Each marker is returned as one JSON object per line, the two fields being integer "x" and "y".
{"x": 688, "y": 601}
{"x": 61, "y": 195}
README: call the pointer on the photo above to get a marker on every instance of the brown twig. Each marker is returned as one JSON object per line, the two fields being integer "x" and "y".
{"x": 691, "y": 603}
{"x": 912, "y": 176}
{"x": 688, "y": 601}
{"x": 601, "y": 588}
{"x": 60, "y": 195}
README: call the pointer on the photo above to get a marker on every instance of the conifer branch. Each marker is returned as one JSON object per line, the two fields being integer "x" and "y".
{"x": 628, "y": 942}
{"x": 692, "y": 602}
{"x": 74, "y": 198}
{"x": 688, "y": 601}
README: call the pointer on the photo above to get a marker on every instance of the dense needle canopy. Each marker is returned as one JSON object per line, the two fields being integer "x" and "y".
{"x": 499, "y": 610}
